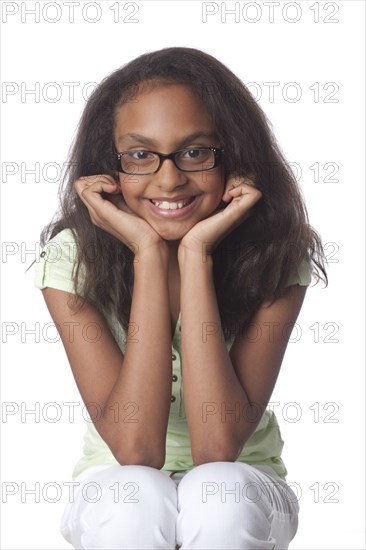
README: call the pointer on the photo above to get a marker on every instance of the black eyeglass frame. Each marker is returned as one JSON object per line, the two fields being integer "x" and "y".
{"x": 218, "y": 154}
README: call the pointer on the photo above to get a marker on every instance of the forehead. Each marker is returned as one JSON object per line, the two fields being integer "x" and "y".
{"x": 163, "y": 113}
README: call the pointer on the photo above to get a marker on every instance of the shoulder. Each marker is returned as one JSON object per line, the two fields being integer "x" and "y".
{"x": 55, "y": 265}
{"x": 301, "y": 273}
{"x": 61, "y": 242}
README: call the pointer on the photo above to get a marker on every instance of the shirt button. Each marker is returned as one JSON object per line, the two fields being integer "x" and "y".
{"x": 172, "y": 399}
{"x": 175, "y": 377}
{"x": 43, "y": 254}
{"x": 174, "y": 357}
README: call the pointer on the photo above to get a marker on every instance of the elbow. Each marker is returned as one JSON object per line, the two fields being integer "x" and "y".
{"x": 141, "y": 457}
{"x": 204, "y": 455}
{"x": 134, "y": 452}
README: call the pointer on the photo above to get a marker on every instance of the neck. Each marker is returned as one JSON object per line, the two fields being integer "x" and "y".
{"x": 173, "y": 251}
{"x": 173, "y": 246}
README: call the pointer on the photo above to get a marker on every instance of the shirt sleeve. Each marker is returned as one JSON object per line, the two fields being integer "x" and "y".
{"x": 54, "y": 267}
{"x": 301, "y": 274}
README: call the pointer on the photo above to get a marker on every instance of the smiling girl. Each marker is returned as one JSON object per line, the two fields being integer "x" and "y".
{"x": 193, "y": 256}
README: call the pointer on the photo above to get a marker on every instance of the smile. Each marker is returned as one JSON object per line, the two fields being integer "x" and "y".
{"x": 167, "y": 205}
{"x": 172, "y": 209}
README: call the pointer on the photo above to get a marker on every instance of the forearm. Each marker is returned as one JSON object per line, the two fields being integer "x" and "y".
{"x": 143, "y": 389}
{"x": 212, "y": 393}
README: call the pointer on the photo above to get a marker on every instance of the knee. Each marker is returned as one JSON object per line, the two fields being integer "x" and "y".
{"x": 220, "y": 506}
{"x": 123, "y": 486}
{"x": 224, "y": 488}
{"x": 123, "y": 506}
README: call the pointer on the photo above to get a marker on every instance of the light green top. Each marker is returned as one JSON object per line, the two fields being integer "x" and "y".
{"x": 54, "y": 269}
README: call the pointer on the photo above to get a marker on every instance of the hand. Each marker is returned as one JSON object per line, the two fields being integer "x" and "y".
{"x": 113, "y": 215}
{"x": 242, "y": 195}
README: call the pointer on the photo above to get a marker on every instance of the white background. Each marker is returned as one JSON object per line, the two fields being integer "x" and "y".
{"x": 320, "y": 390}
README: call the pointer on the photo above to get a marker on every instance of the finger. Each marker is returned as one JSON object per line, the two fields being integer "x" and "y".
{"x": 88, "y": 181}
{"x": 93, "y": 182}
{"x": 90, "y": 194}
{"x": 241, "y": 207}
{"x": 96, "y": 177}
{"x": 245, "y": 194}
{"x": 234, "y": 182}
{"x": 242, "y": 189}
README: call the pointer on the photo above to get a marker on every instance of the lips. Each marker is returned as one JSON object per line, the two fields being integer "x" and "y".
{"x": 170, "y": 208}
{"x": 172, "y": 205}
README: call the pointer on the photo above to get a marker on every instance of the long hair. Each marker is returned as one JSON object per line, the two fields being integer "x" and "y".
{"x": 253, "y": 263}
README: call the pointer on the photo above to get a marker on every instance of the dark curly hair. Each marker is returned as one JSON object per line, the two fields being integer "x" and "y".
{"x": 253, "y": 263}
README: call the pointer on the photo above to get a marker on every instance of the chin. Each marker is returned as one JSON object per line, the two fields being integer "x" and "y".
{"x": 172, "y": 234}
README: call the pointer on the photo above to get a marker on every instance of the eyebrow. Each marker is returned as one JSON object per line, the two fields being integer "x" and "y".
{"x": 149, "y": 141}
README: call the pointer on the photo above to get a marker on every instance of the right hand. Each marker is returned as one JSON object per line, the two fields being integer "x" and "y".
{"x": 114, "y": 216}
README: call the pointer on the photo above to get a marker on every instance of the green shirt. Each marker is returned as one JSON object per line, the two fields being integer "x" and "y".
{"x": 54, "y": 269}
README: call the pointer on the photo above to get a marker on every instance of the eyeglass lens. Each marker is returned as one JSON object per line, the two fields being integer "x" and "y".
{"x": 188, "y": 159}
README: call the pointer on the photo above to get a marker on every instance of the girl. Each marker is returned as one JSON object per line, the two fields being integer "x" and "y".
{"x": 175, "y": 272}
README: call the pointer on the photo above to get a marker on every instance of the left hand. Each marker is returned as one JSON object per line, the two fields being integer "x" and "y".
{"x": 242, "y": 195}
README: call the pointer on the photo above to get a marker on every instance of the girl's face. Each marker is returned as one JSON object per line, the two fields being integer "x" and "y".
{"x": 164, "y": 120}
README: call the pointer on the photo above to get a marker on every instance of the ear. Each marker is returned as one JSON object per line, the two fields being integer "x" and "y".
{"x": 117, "y": 176}
{"x": 231, "y": 183}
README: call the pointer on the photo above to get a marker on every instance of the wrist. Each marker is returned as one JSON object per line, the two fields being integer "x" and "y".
{"x": 157, "y": 254}
{"x": 194, "y": 258}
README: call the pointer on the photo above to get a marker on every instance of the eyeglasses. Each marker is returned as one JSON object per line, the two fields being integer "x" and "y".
{"x": 194, "y": 159}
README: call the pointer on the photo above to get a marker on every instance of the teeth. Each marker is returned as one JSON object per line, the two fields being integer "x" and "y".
{"x": 165, "y": 205}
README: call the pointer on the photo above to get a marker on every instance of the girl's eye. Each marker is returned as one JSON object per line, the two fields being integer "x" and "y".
{"x": 196, "y": 156}
{"x": 193, "y": 153}
{"x": 141, "y": 155}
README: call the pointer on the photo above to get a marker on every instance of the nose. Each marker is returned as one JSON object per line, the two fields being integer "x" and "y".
{"x": 169, "y": 177}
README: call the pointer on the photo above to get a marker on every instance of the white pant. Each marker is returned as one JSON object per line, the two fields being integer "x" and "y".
{"x": 218, "y": 505}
